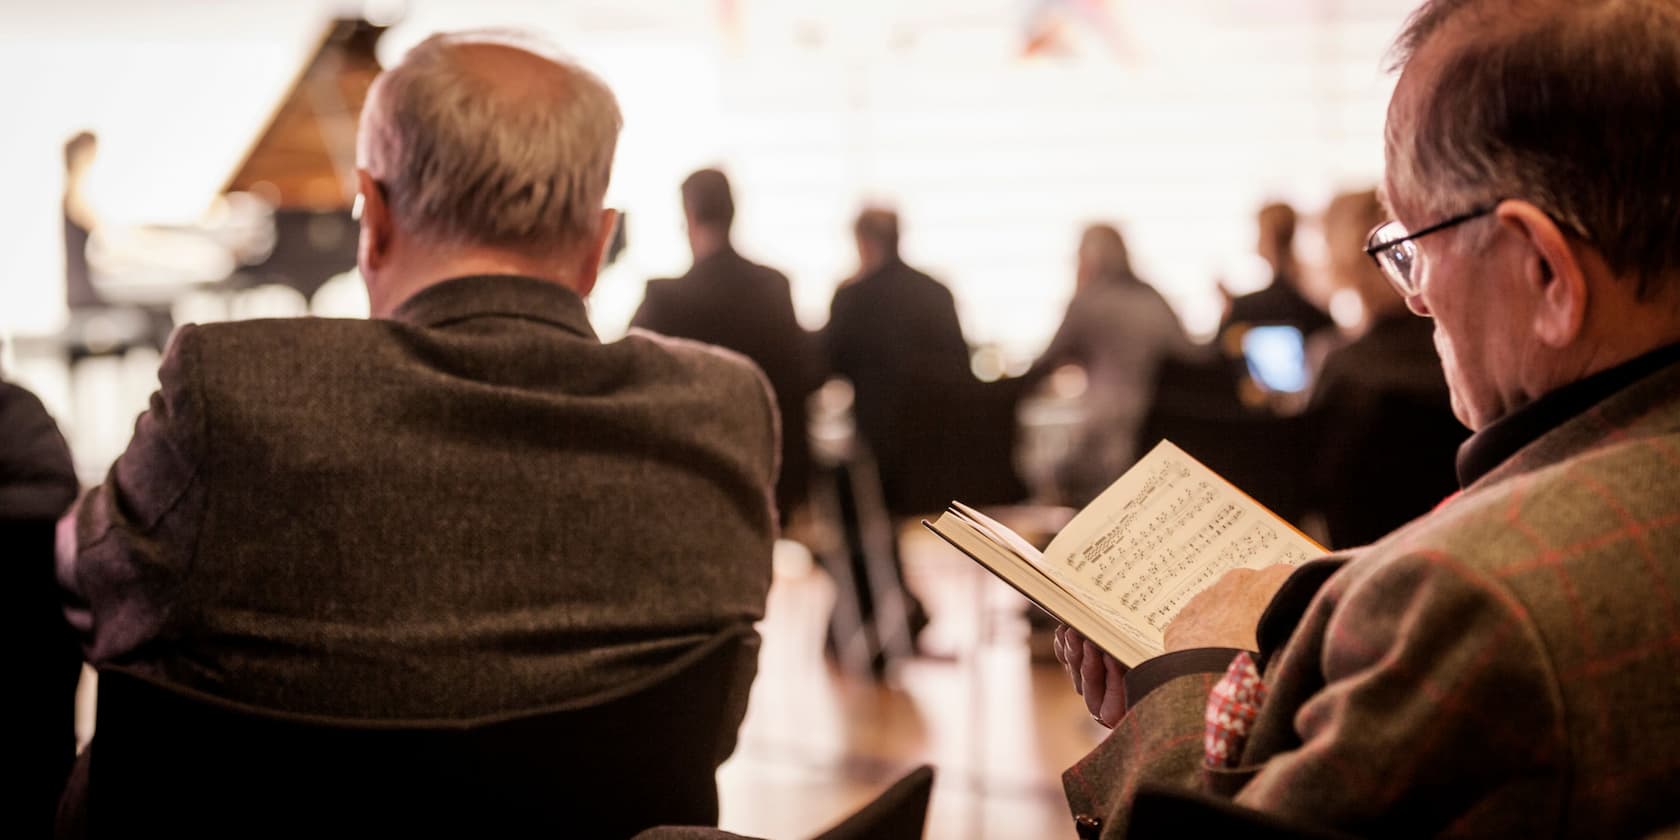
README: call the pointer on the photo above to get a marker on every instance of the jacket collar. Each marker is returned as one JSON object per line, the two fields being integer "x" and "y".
{"x": 508, "y": 296}
{"x": 1493, "y": 446}
{"x": 724, "y": 255}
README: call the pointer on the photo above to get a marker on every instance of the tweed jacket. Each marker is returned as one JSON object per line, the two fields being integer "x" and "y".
{"x": 1505, "y": 666}
{"x": 474, "y": 506}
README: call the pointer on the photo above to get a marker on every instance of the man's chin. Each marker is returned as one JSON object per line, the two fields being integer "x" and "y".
{"x": 1461, "y": 409}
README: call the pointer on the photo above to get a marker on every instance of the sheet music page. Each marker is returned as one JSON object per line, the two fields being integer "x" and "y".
{"x": 1163, "y": 532}
{"x": 1026, "y": 551}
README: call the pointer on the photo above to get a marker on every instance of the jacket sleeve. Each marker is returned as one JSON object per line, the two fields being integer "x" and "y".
{"x": 37, "y": 480}
{"x": 1414, "y": 699}
{"x": 1419, "y": 699}
{"x": 136, "y": 534}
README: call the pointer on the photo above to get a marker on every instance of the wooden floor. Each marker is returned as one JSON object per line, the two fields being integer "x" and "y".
{"x": 998, "y": 727}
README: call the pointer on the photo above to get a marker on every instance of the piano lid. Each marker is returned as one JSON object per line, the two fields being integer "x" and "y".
{"x": 305, "y": 157}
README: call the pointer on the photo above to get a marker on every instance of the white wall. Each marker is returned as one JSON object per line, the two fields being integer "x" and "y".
{"x": 1203, "y": 110}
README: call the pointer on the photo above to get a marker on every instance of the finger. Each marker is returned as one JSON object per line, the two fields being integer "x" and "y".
{"x": 1114, "y": 695}
{"x": 1091, "y": 674}
{"x": 1071, "y": 649}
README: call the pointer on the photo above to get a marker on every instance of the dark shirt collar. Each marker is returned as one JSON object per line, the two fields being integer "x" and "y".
{"x": 1491, "y": 446}
{"x": 724, "y": 253}
{"x": 508, "y": 296}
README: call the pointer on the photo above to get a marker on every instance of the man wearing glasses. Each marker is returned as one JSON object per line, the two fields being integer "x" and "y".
{"x": 1508, "y": 664}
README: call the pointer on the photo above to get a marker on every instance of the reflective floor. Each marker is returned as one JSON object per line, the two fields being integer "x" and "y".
{"x": 999, "y": 727}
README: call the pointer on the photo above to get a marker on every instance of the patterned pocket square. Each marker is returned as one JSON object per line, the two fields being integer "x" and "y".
{"x": 1231, "y": 709}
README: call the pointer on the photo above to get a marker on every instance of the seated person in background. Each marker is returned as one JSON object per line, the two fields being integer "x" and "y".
{"x": 1505, "y": 666}
{"x": 1281, "y": 301}
{"x": 37, "y": 483}
{"x": 728, "y": 300}
{"x": 468, "y": 504}
{"x": 1119, "y": 329}
{"x": 1383, "y": 436}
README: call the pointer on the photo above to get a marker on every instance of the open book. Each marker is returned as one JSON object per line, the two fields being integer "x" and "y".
{"x": 1127, "y": 563}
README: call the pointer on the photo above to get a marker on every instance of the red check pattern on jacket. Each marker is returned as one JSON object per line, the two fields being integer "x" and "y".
{"x": 1508, "y": 665}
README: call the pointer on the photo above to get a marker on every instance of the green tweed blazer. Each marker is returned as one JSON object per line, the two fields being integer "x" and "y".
{"x": 1508, "y": 665}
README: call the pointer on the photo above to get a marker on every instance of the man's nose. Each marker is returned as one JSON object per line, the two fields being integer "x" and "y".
{"x": 1418, "y": 307}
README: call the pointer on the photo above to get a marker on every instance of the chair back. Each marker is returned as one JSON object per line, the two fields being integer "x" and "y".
{"x": 899, "y": 813}
{"x": 170, "y": 761}
{"x": 1159, "y": 811}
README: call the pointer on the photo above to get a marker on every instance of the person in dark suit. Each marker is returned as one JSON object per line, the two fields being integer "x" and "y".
{"x": 37, "y": 483}
{"x": 1506, "y": 665}
{"x": 893, "y": 333}
{"x": 468, "y": 504}
{"x": 731, "y": 301}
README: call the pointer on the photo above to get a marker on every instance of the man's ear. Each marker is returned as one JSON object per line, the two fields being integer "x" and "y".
{"x": 374, "y": 211}
{"x": 589, "y": 268}
{"x": 1552, "y": 271}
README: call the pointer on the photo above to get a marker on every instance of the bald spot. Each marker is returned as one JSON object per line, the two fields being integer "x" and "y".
{"x": 510, "y": 72}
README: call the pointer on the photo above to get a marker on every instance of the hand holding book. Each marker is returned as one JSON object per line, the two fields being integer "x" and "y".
{"x": 1127, "y": 564}
{"x": 1222, "y": 616}
{"x": 1097, "y": 677}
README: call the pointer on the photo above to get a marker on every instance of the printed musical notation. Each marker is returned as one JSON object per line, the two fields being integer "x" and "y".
{"x": 1238, "y": 553}
{"x": 1162, "y": 533}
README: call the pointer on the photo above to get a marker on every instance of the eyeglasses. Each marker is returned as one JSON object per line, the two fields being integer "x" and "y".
{"x": 1395, "y": 251}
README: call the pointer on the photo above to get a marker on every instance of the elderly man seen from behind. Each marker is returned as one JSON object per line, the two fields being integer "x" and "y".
{"x": 1505, "y": 666}
{"x": 468, "y": 505}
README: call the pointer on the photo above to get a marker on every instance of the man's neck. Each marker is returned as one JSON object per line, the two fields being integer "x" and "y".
{"x": 870, "y": 263}
{"x": 705, "y": 242}
{"x": 402, "y": 279}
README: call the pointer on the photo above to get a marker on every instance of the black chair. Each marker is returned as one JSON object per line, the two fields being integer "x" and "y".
{"x": 1159, "y": 812}
{"x": 44, "y": 663}
{"x": 899, "y": 813}
{"x": 168, "y": 761}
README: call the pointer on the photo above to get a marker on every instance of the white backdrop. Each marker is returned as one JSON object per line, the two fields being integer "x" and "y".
{"x": 1177, "y": 127}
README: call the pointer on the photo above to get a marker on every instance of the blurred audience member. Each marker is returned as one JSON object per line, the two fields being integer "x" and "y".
{"x": 728, "y": 300}
{"x": 37, "y": 483}
{"x": 893, "y": 332}
{"x": 468, "y": 504}
{"x": 1280, "y": 303}
{"x": 1383, "y": 438}
{"x": 1119, "y": 329}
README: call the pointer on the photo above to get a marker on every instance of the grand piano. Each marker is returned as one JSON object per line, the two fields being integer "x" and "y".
{"x": 282, "y": 217}
{"x": 303, "y": 162}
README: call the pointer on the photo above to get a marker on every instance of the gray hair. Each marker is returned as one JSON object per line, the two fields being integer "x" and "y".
{"x": 466, "y": 158}
{"x": 1572, "y": 106}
